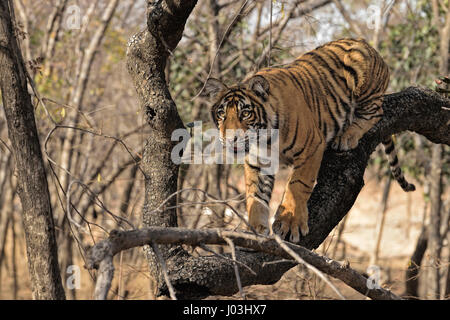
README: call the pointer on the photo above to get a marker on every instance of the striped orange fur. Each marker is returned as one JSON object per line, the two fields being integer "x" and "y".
{"x": 329, "y": 96}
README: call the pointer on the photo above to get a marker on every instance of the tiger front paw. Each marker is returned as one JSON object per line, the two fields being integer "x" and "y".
{"x": 291, "y": 221}
{"x": 259, "y": 218}
{"x": 262, "y": 228}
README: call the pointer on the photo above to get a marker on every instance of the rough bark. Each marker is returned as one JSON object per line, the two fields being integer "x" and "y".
{"x": 146, "y": 59}
{"x": 32, "y": 181}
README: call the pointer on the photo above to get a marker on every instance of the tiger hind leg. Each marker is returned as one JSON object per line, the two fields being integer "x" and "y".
{"x": 367, "y": 114}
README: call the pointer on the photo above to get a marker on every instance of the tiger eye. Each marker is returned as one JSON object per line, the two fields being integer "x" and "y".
{"x": 245, "y": 114}
{"x": 220, "y": 113}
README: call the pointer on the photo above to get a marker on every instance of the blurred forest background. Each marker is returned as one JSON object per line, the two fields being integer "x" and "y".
{"x": 92, "y": 134}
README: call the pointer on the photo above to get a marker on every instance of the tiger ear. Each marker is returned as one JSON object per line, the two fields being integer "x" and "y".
{"x": 212, "y": 88}
{"x": 259, "y": 85}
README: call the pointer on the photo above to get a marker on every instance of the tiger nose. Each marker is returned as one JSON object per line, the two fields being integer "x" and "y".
{"x": 230, "y": 139}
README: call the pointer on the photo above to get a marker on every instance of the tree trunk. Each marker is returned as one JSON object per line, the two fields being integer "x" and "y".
{"x": 434, "y": 235}
{"x": 32, "y": 180}
{"x": 146, "y": 59}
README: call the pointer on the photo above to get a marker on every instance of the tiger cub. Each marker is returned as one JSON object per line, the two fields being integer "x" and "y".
{"x": 329, "y": 96}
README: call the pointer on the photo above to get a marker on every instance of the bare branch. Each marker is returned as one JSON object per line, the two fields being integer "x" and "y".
{"x": 311, "y": 267}
{"x": 236, "y": 269}
{"x": 122, "y": 240}
{"x": 353, "y": 25}
{"x": 164, "y": 270}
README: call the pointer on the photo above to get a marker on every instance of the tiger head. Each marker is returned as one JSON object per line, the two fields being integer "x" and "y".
{"x": 238, "y": 109}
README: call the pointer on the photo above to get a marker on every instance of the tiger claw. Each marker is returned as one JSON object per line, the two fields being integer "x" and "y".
{"x": 295, "y": 235}
{"x": 285, "y": 223}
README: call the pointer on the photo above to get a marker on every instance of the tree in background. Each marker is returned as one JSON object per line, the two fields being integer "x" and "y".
{"x": 32, "y": 180}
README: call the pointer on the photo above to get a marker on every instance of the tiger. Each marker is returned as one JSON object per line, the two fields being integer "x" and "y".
{"x": 328, "y": 97}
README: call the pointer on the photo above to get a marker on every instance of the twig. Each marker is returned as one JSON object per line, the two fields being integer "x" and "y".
{"x": 204, "y": 247}
{"x": 69, "y": 204}
{"x": 266, "y": 263}
{"x": 215, "y": 200}
{"x": 164, "y": 271}
{"x": 236, "y": 270}
{"x": 220, "y": 45}
{"x": 309, "y": 266}
{"x": 104, "y": 278}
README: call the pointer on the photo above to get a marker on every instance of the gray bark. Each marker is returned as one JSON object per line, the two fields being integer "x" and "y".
{"x": 146, "y": 60}
{"x": 32, "y": 180}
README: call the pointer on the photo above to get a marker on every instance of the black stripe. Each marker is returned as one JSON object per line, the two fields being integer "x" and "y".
{"x": 397, "y": 172}
{"x": 326, "y": 89}
{"x": 325, "y": 130}
{"x": 353, "y": 73}
{"x": 300, "y": 181}
{"x": 268, "y": 184}
{"x": 350, "y": 50}
{"x": 296, "y": 81}
{"x": 318, "y": 58}
{"x": 394, "y": 162}
{"x": 305, "y": 145}
{"x": 402, "y": 181}
{"x": 276, "y": 122}
{"x": 259, "y": 197}
{"x": 389, "y": 148}
{"x": 253, "y": 167}
{"x": 291, "y": 145}
{"x": 308, "y": 78}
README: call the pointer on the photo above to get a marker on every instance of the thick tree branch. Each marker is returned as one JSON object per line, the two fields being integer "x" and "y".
{"x": 103, "y": 252}
{"x": 341, "y": 174}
